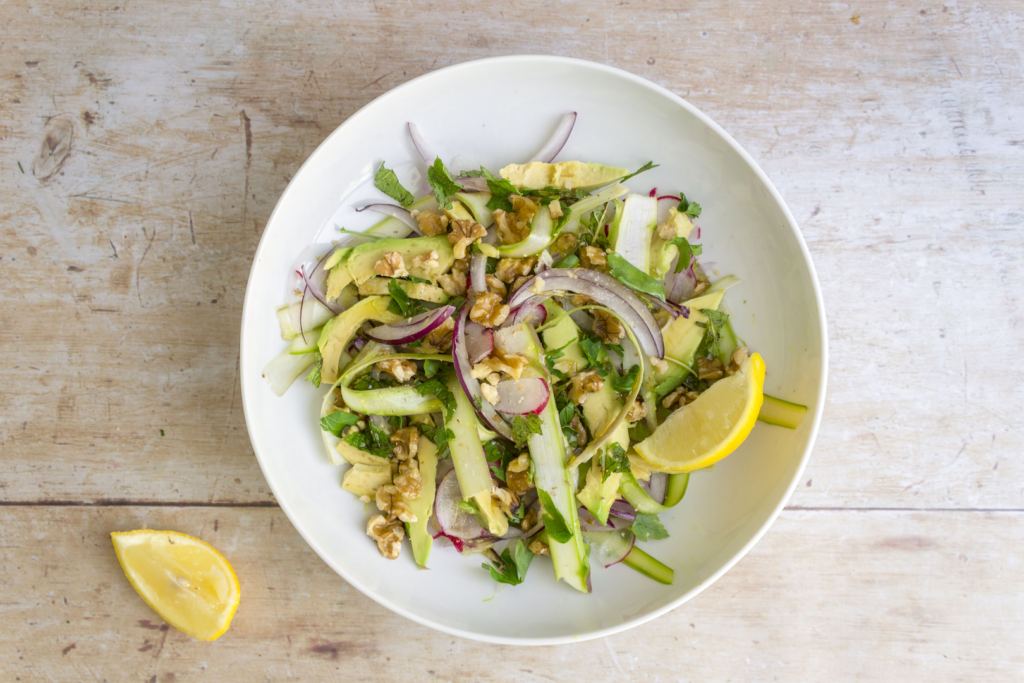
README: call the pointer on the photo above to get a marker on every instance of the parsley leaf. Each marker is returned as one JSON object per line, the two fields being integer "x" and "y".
{"x": 387, "y": 182}
{"x": 646, "y": 167}
{"x": 686, "y": 252}
{"x": 515, "y": 561}
{"x": 374, "y": 441}
{"x": 648, "y": 527}
{"x": 442, "y": 183}
{"x": 523, "y": 426}
{"x": 336, "y": 422}
{"x": 691, "y": 209}
{"x": 554, "y": 522}
{"x": 498, "y": 473}
{"x": 314, "y": 374}
{"x": 439, "y": 388}
{"x": 614, "y": 460}
{"x": 634, "y": 278}
{"x": 399, "y": 299}
{"x": 566, "y": 414}
{"x": 551, "y": 356}
{"x": 624, "y": 383}
{"x": 431, "y": 367}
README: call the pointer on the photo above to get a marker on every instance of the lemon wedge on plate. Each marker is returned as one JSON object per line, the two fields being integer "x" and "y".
{"x": 711, "y": 427}
{"x": 184, "y": 579}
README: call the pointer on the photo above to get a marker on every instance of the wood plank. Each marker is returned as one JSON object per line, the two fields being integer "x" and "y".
{"x": 893, "y": 132}
{"x": 877, "y": 596}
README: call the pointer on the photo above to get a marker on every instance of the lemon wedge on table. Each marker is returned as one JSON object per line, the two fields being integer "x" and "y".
{"x": 711, "y": 427}
{"x": 184, "y": 579}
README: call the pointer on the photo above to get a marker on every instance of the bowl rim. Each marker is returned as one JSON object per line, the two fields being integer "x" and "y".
{"x": 822, "y": 331}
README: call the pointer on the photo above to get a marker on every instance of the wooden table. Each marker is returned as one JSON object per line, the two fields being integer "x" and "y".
{"x": 142, "y": 147}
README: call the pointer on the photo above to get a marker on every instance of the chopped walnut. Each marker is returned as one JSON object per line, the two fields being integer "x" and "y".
{"x": 667, "y": 231}
{"x": 488, "y": 310}
{"x": 497, "y": 286}
{"x": 538, "y": 548}
{"x": 593, "y": 258}
{"x": 452, "y": 285}
{"x": 499, "y": 361}
{"x": 490, "y": 393}
{"x": 388, "y": 535}
{"x": 391, "y": 265}
{"x": 441, "y": 337}
{"x": 739, "y": 357}
{"x": 463, "y": 234}
{"x": 389, "y": 501}
{"x": 409, "y": 481}
{"x": 520, "y": 281}
{"x": 505, "y": 499}
{"x": 563, "y": 246}
{"x": 637, "y": 411}
{"x": 555, "y": 209}
{"x": 700, "y": 287}
{"x": 584, "y": 384}
{"x": 530, "y": 519}
{"x": 681, "y": 395}
{"x": 511, "y": 230}
{"x": 578, "y": 300}
{"x": 710, "y": 370}
{"x": 402, "y": 370}
{"x": 430, "y": 223}
{"x": 581, "y": 433}
{"x": 607, "y": 327}
{"x": 517, "y": 475}
{"x": 524, "y": 207}
{"x": 493, "y": 378}
{"x": 405, "y": 443}
{"x": 659, "y": 364}
{"x": 429, "y": 261}
{"x": 510, "y": 268}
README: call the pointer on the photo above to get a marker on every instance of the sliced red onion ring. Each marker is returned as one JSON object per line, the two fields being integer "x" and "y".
{"x": 675, "y": 310}
{"x": 479, "y": 341}
{"x": 472, "y": 184}
{"x": 533, "y": 313}
{"x": 319, "y": 273}
{"x": 455, "y": 522}
{"x": 411, "y": 329}
{"x": 491, "y": 237}
{"x": 460, "y": 354}
{"x": 683, "y": 286}
{"x": 478, "y": 272}
{"x": 656, "y": 486}
{"x": 395, "y": 211}
{"x": 421, "y": 145}
{"x": 606, "y": 291}
{"x": 664, "y": 204}
{"x": 623, "y": 510}
{"x": 558, "y": 139}
{"x": 318, "y": 293}
{"x": 526, "y": 396}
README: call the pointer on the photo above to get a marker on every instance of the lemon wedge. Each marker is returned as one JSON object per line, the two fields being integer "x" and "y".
{"x": 184, "y": 579}
{"x": 711, "y": 427}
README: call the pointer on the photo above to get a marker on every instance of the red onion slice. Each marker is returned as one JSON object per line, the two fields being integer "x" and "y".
{"x": 425, "y": 151}
{"x": 683, "y": 286}
{"x": 319, "y": 273}
{"x": 411, "y": 329}
{"x": 478, "y": 272}
{"x": 318, "y": 293}
{"x": 526, "y": 396}
{"x": 656, "y": 486}
{"x": 674, "y": 309}
{"x": 395, "y": 211}
{"x": 558, "y": 139}
{"x": 455, "y": 522}
{"x": 623, "y": 510}
{"x": 460, "y": 354}
{"x": 479, "y": 341}
{"x": 472, "y": 184}
{"x": 533, "y": 312}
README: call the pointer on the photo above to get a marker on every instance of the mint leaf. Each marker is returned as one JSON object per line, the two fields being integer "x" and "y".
{"x": 431, "y": 367}
{"x": 691, "y": 209}
{"x": 522, "y": 557}
{"x": 399, "y": 299}
{"x": 686, "y": 252}
{"x": 554, "y": 522}
{"x": 374, "y": 441}
{"x": 439, "y": 389}
{"x": 442, "y": 183}
{"x": 634, "y": 278}
{"x": 646, "y": 167}
{"x": 418, "y": 280}
{"x": 712, "y": 333}
{"x": 591, "y": 347}
{"x": 523, "y": 426}
{"x": 624, "y": 383}
{"x": 648, "y": 527}
{"x": 614, "y": 459}
{"x": 513, "y": 567}
{"x": 386, "y": 181}
{"x": 336, "y": 422}
{"x": 500, "y": 190}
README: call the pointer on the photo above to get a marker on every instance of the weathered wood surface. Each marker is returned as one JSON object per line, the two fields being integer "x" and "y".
{"x": 143, "y": 146}
{"x": 827, "y": 595}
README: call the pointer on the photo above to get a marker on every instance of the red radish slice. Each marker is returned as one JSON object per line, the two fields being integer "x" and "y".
{"x": 558, "y": 139}
{"x": 479, "y": 342}
{"x": 453, "y": 520}
{"x": 411, "y": 329}
{"x": 395, "y": 211}
{"x": 424, "y": 149}
{"x": 609, "y": 547}
{"x": 463, "y": 368}
{"x": 664, "y": 204}
{"x": 533, "y": 313}
{"x": 526, "y": 396}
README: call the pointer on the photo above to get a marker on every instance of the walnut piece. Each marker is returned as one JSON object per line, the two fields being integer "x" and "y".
{"x": 682, "y": 395}
{"x": 405, "y": 443}
{"x": 584, "y": 384}
{"x": 563, "y": 246}
{"x": 402, "y": 370}
{"x": 389, "y": 500}
{"x": 452, "y": 285}
{"x": 497, "y": 286}
{"x": 511, "y": 230}
{"x": 530, "y": 520}
{"x": 524, "y": 207}
{"x": 391, "y": 265}
{"x": 493, "y": 378}
{"x": 637, "y": 411}
{"x": 463, "y": 234}
{"x": 555, "y": 209}
{"x": 488, "y": 310}
{"x": 581, "y": 433}
{"x": 520, "y": 281}
{"x": 510, "y": 268}
{"x": 441, "y": 337}
{"x": 538, "y": 548}
{"x": 700, "y": 287}
{"x": 430, "y": 223}
{"x": 500, "y": 361}
{"x": 660, "y": 365}
{"x": 594, "y": 258}
{"x": 667, "y": 231}
{"x": 409, "y": 481}
{"x": 517, "y": 475}
{"x": 505, "y": 499}
{"x": 710, "y": 370}
{"x": 739, "y": 357}
{"x": 607, "y": 327}
{"x": 429, "y": 261}
{"x": 388, "y": 535}
{"x": 489, "y": 392}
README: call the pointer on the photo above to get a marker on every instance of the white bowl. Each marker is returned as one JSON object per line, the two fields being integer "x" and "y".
{"x": 499, "y": 111}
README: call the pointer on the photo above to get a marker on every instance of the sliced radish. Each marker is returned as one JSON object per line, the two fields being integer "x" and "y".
{"x": 453, "y": 520}
{"x": 664, "y": 204}
{"x": 609, "y": 547}
{"x": 526, "y": 396}
{"x": 479, "y": 342}
{"x": 463, "y": 368}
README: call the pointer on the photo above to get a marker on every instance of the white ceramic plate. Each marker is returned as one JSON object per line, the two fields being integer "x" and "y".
{"x": 499, "y": 111}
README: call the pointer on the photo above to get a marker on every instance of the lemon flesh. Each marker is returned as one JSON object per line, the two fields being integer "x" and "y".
{"x": 711, "y": 427}
{"x": 185, "y": 580}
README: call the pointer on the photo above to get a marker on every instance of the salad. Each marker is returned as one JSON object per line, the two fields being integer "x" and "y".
{"x": 530, "y": 361}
